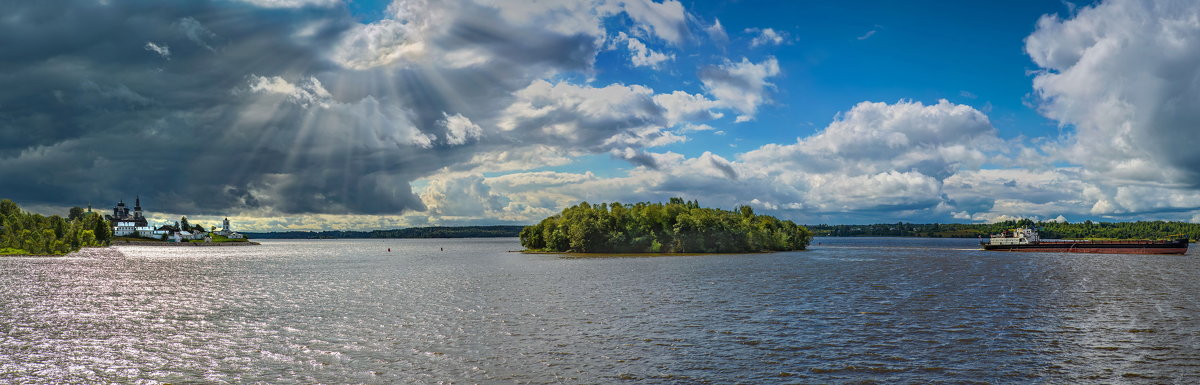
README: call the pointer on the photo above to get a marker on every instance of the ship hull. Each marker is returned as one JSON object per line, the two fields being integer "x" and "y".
{"x": 1097, "y": 247}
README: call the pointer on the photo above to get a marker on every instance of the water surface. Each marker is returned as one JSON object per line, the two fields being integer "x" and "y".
{"x": 883, "y": 310}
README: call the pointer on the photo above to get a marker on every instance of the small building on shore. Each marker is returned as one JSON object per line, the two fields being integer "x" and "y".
{"x": 185, "y": 236}
{"x": 227, "y": 232}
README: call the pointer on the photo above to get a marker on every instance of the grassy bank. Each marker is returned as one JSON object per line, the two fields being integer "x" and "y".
{"x": 220, "y": 238}
{"x": 12, "y": 251}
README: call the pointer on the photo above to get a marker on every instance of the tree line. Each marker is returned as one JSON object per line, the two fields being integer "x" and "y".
{"x": 412, "y": 232}
{"x": 27, "y": 233}
{"x": 1048, "y": 230}
{"x": 674, "y": 227}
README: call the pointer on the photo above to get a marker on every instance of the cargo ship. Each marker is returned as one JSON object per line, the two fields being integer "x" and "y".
{"x": 1026, "y": 239}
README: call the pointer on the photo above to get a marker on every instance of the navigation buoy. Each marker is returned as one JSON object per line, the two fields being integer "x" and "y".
{"x": 389, "y": 249}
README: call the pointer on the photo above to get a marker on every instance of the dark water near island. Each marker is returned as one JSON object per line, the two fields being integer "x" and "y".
{"x": 859, "y": 310}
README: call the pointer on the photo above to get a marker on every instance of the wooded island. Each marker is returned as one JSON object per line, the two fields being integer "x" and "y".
{"x": 674, "y": 227}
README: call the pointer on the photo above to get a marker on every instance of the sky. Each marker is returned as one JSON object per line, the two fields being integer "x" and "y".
{"x": 332, "y": 114}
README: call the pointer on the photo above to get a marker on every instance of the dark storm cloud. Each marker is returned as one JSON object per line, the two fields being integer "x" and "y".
{"x": 208, "y": 107}
{"x": 514, "y": 55}
{"x": 89, "y": 114}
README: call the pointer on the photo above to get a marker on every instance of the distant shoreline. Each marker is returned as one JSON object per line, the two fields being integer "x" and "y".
{"x": 182, "y": 244}
{"x": 502, "y": 231}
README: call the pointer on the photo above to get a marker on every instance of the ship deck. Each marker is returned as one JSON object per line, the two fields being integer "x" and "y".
{"x": 1116, "y": 242}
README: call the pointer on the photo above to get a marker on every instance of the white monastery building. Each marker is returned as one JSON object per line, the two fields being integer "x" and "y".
{"x": 126, "y": 224}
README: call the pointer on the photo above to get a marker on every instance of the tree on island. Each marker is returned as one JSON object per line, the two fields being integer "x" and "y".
{"x": 675, "y": 227}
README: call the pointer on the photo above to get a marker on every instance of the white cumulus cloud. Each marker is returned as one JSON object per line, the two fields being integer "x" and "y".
{"x": 741, "y": 85}
{"x": 1123, "y": 74}
{"x": 640, "y": 55}
{"x": 460, "y": 129}
{"x": 307, "y": 94}
{"x": 766, "y": 36}
{"x": 875, "y": 159}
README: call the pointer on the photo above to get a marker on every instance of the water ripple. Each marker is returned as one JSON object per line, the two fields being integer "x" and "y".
{"x": 851, "y": 310}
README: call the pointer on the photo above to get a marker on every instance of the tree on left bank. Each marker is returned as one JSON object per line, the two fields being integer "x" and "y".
{"x": 25, "y": 233}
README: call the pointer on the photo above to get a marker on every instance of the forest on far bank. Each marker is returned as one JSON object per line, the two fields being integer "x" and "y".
{"x": 411, "y": 232}
{"x": 1048, "y": 230}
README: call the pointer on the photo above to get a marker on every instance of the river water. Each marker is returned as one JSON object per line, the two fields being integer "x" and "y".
{"x": 859, "y": 310}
